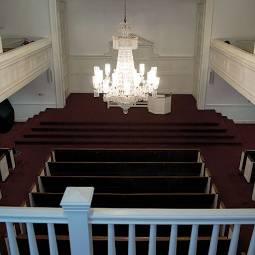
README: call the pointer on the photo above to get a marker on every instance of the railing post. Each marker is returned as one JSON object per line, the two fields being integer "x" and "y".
{"x": 76, "y": 203}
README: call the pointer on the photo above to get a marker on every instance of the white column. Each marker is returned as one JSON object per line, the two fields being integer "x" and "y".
{"x": 76, "y": 203}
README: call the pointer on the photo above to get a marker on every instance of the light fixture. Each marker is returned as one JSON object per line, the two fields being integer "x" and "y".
{"x": 125, "y": 86}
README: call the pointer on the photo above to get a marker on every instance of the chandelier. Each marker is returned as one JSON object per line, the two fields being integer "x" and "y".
{"x": 125, "y": 86}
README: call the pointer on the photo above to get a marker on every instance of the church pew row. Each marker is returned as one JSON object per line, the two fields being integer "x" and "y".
{"x": 126, "y": 155}
{"x": 127, "y": 141}
{"x": 150, "y": 200}
{"x": 124, "y": 169}
{"x": 125, "y": 185}
{"x": 100, "y": 245}
{"x": 169, "y": 201}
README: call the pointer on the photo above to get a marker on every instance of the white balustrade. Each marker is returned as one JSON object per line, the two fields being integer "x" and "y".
{"x": 131, "y": 240}
{"x": 76, "y": 212}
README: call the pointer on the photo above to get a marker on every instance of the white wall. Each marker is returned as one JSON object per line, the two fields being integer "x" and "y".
{"x": 33, "y": 98}
{"x": 28, "y": 18}
{"x": 25, "y": 17}
{"x": 170, "y": 24}
{"x": 232, "y": 19}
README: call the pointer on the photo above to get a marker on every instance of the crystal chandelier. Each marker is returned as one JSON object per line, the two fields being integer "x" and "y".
{"x": 125, "y": 86}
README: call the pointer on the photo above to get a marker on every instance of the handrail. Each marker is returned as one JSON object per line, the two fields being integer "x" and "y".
{"x": 32, "y": 215}
{"x": 171, "y": 216}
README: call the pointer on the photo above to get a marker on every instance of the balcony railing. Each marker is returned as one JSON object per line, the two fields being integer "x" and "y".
{"x": 76, "y": 211}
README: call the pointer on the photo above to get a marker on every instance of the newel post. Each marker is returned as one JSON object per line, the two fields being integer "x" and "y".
{"x": 76, "y": 203}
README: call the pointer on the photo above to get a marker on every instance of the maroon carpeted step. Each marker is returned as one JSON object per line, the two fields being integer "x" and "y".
{"x": 83, "y": 123}
{"x": 128, "y": 128}
{"x": 148, "y": 134}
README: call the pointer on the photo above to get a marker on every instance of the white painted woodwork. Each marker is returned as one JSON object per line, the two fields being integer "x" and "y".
{"x": 193, "y": 240}
{"x": 248, "y": 169}
{"x": 198, "y": 46}
{"x": 111, "y": 240}
{"x": 251, "y": 249}
{"x": 175, "y": 72}
{"x": 131, "y": 240}
{"x": 31, "y": 239}
{"x": 13, "y": 246}
{"x": 1, "y": 45}
{"x": 152, "y": 240}
{"x": 52, "y": 239}
{"x": 235, "y": 66}
{"x": 234, "y": 240}
{"x": 161, "y": 104}
{"x": 173, "y": 240}
{"x": 76, "y": 203}
{"x": 57, "y": 49}
{"x": 205, "y": 19}
{"x": 214, "y": 240}
{"x": 4, "y": 170}
{"x": 20, "y": 66}
{"x": 76, "y": 212}
{"x": 64, "y": 42}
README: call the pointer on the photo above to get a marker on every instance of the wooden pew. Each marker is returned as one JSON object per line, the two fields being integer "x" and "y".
{"x": 4, "y": 169}
{"x": 9, "y": 156}
{"x": 124, "y": 169}
{"x": 177, "y": 201}
{"x": 167, "y": 184}
{"x": 174, "y": 200}
{"x": 127, "y": 155}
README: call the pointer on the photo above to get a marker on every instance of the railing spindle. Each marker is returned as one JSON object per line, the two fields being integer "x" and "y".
{"x": 131, "y": 240}
{"x": 12, "y": 239}
{"x": 31, "y": 239}
{"x": 52, "y": 239}
{"x": 173, "y": 240}
{"x": 111, "y": 240}
{"x": 214, "y": 240}
{"x": 234, "y": 240}
{"x": 193, "y": 240}
{"x": 251, "y": 250}
{"x": 153, "y": 239}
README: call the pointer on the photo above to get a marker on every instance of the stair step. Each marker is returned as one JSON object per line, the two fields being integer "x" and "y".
{"x": 126, "y": 141}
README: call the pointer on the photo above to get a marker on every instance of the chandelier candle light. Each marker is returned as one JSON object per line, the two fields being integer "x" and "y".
{"x": 125, "y": 86}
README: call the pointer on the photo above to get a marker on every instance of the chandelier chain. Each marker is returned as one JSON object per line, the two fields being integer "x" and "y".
{"x": 125, "y": 11}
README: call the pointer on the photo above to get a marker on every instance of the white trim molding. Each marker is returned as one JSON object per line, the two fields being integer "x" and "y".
{"x": 203, "y": 74}
{"x": 22, "y": 65}
{"x": 235, "y": 66}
